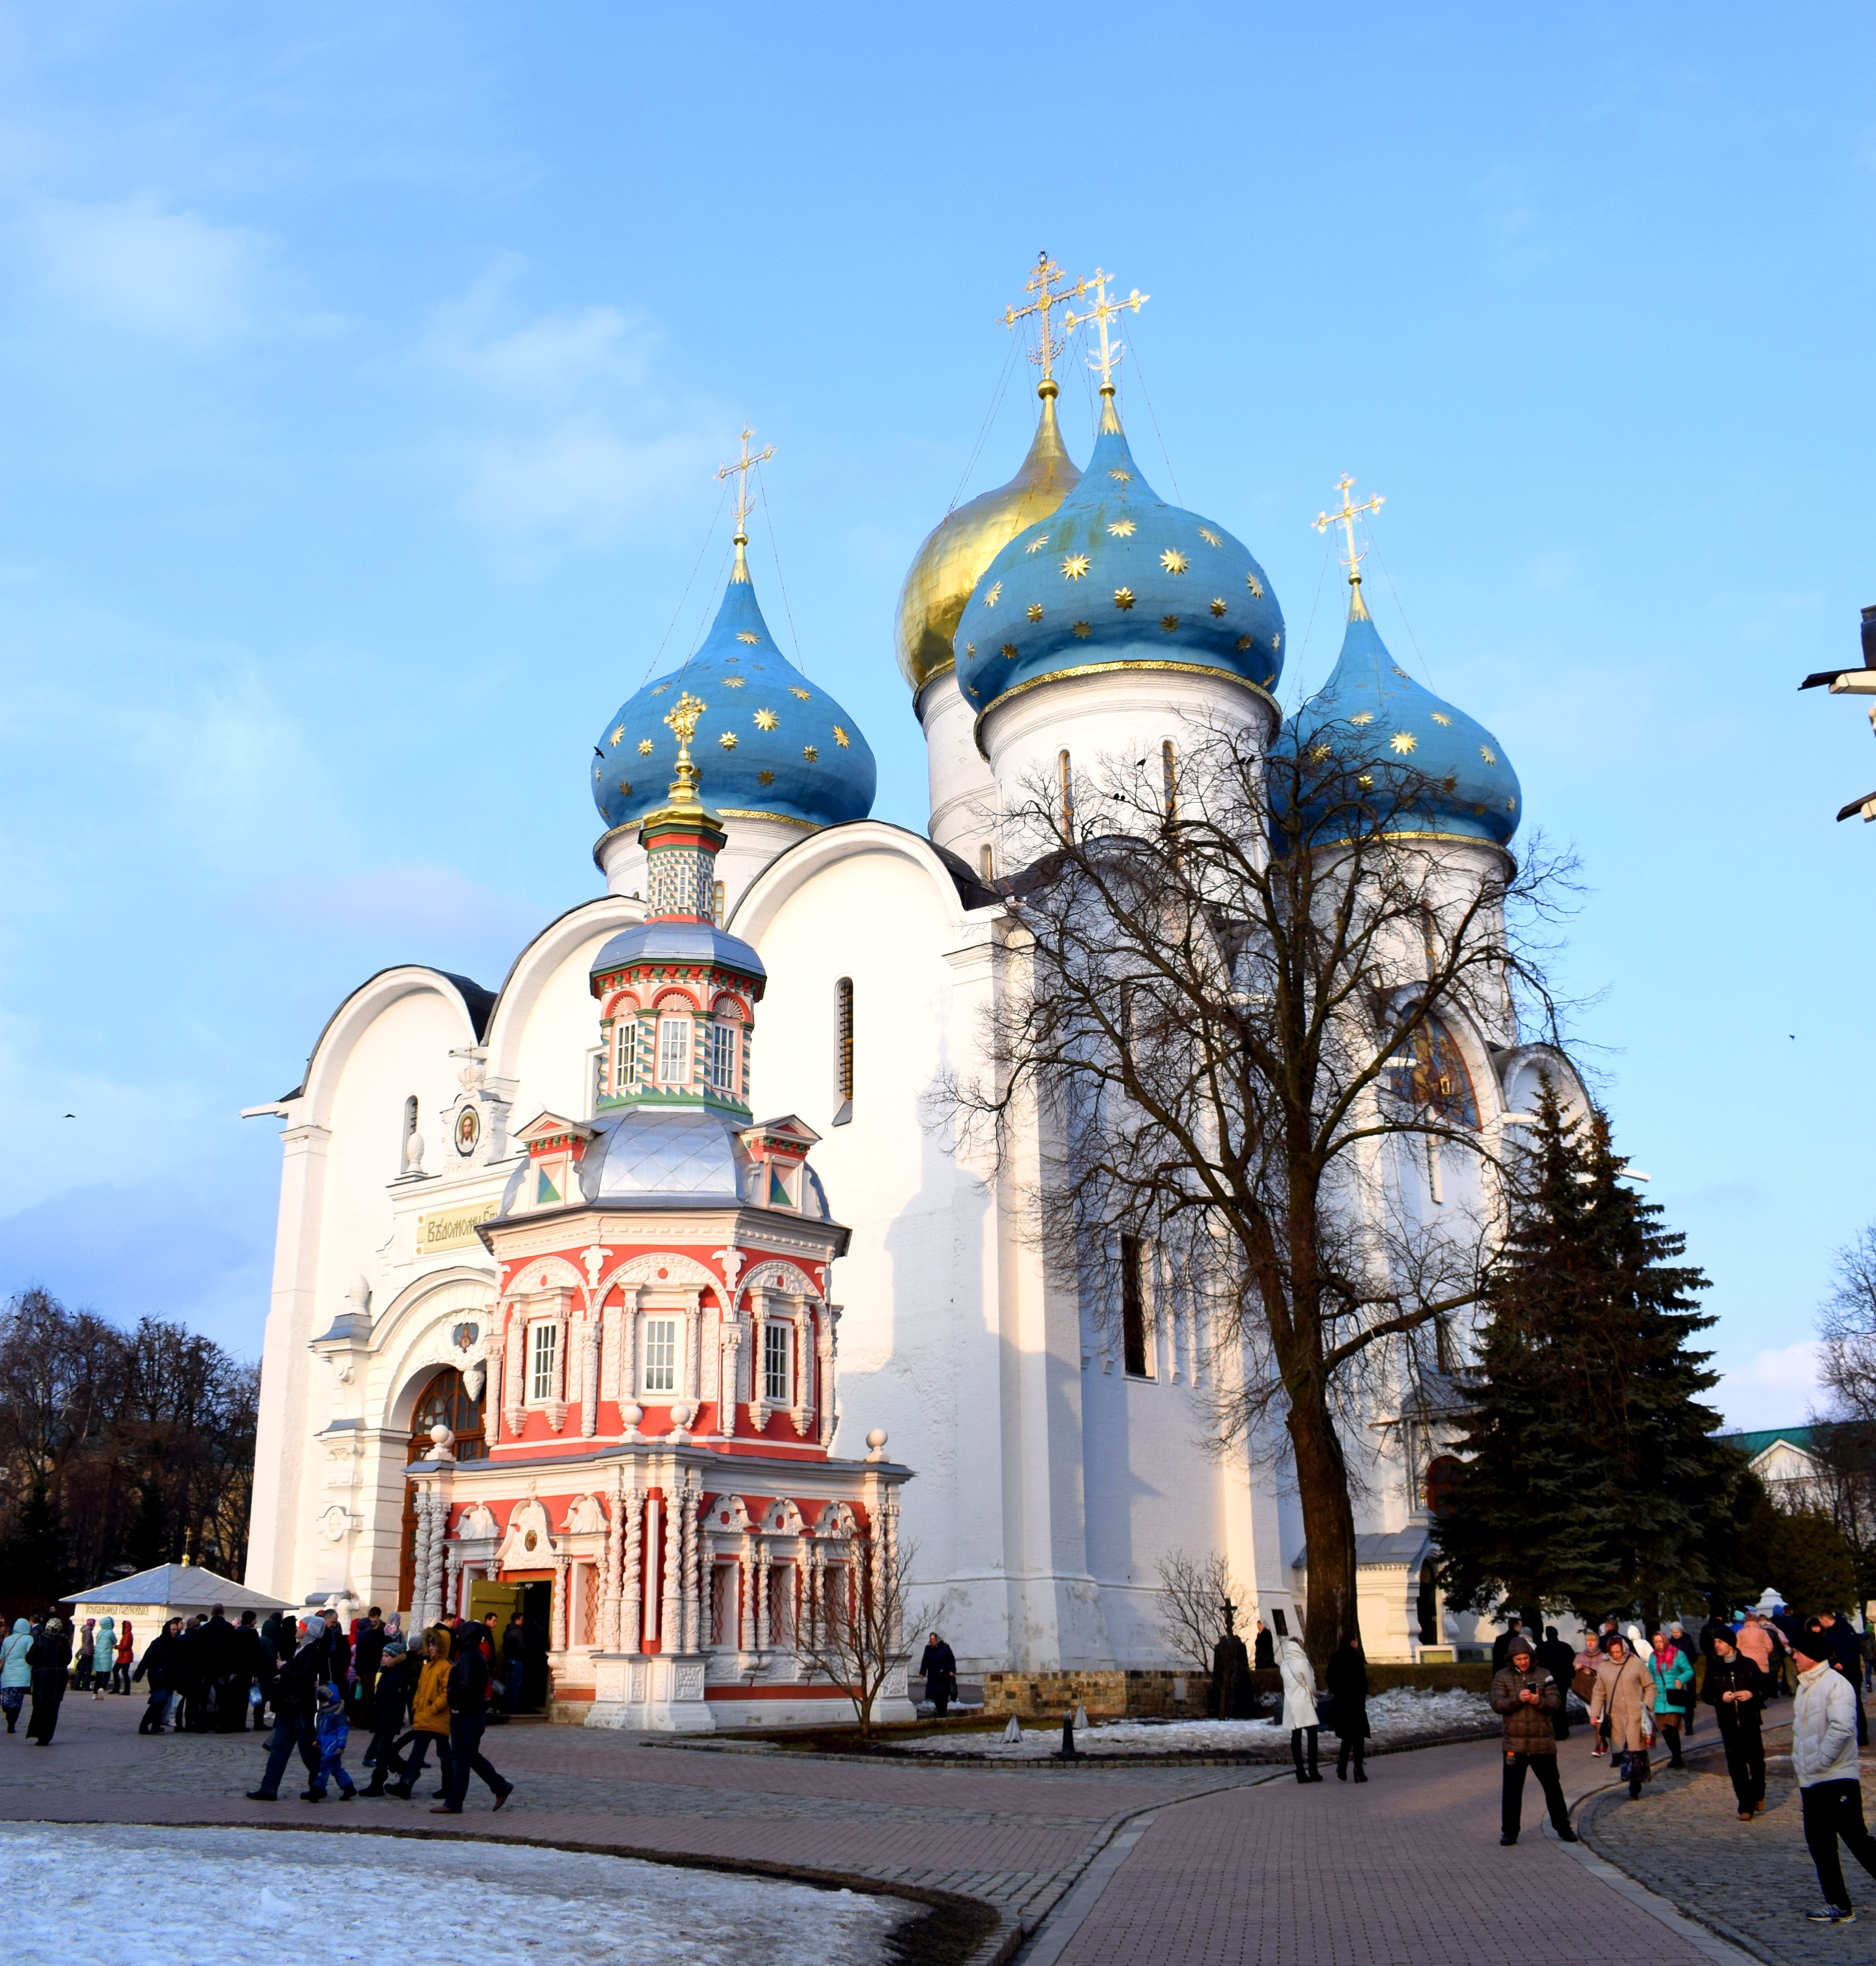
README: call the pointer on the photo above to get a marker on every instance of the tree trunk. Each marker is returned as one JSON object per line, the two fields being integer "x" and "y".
{"x": 1329, "y": 1614}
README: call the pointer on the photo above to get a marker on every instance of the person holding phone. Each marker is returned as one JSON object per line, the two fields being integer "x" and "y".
{"x": 1526, "y": 1696}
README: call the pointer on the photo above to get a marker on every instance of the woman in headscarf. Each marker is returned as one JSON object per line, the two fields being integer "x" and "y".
{"x": 15, "y": 1674}
{"x": 49, "y": 1655}
{"x": 1299, "y": 1705}
{"x": 1625, "y": 1693}
{"x": 1673, "y": 1674}
{"x": 81, "y": 1652}
{"x": 127, "y": 1652}
{"x": 103, "y": 1655}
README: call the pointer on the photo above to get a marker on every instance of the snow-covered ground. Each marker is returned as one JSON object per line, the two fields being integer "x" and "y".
{"x": 88, "y": 1896}
{"x": 1392, "y": 1717}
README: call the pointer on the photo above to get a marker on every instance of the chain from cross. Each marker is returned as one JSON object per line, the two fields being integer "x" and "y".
{"x": 741, "y": 468}
{"x": 1102, "y": 312}
{"x": 1048, "y": 295}
{"x": 1346, "y": 519}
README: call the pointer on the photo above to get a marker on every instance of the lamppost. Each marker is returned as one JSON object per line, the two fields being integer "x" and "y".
{"x": 1854, "y": 682}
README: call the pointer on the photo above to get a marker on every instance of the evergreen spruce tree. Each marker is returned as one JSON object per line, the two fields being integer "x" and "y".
{"x": 1591, "y": 1480}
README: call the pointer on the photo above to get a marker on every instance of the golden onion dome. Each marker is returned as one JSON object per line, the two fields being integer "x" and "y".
{"x": 963, "y": 542}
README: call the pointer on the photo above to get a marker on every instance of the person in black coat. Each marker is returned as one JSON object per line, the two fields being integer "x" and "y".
{"x": 1347, "y": 1679}
{"x": 1501, "y": 1645}
{"x": 158, "y": 1665}
{"x": 1263, "y": 1650}
{"x": 49, "y": 1655}
{"x": 250, "y": 1664}
{"x": 1557, "y": 1659}
{"x": 223, "y": 1702}
{"x": 296, "y": 1699}
{"x": 365, "y": 1655}
{"x": 1736, "y": 1690}
{"x": 1846, "y": 1657}
{"x": 391, "y": 1687}
{"x": 937, "y": 1666}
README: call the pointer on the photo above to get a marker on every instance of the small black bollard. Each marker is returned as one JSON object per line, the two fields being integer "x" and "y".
{"x": 1069, "y": 1752}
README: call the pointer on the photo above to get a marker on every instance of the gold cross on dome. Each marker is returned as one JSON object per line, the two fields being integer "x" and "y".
{"x": 741, "y": 468}
{"x": 682, "y": 716}
{"x": 1346, "y": 519}
{"x": 1042, "y": 282}
{"x": 1101, "y": 312}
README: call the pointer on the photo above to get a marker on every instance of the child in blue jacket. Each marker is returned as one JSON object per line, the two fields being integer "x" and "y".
{"x": 333, "y": 1733}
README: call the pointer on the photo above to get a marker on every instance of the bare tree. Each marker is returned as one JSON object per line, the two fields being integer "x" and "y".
{"x": 1847, "y": 1325}
{"x": 1197, "y": 1599}
{"x": 853, "y": 1633}
{"x": 1222, "y": 1038}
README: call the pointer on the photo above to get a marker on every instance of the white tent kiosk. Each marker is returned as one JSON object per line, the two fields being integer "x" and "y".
{"x": 150, "y": 1598}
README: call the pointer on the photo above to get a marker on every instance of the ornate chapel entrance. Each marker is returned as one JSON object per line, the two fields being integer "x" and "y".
{"x": 447, "y": 1399}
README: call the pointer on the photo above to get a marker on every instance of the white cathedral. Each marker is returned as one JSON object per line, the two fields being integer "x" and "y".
{"x": 641, "y": 1280}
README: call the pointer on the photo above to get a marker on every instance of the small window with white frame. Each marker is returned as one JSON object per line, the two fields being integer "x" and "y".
{"x": 660, "y": 1373}
{"x": 546, "y": 1351}
{"x": 673, "y": 1051}
{"x": 625, "y": 1051}
{"x": 723, "y": 1057}
{"x": 776, "y": 1346}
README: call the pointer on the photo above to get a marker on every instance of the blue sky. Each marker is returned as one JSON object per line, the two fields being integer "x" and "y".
{"x": 361, "y": 381}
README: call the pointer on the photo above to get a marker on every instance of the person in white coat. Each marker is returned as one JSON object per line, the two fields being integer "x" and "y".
{"x": 1299, "y": 1704}
{"x": 1824, "y": 1759}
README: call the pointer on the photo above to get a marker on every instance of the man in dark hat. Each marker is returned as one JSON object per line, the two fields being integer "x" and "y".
{"x": 1528, "y": 1697}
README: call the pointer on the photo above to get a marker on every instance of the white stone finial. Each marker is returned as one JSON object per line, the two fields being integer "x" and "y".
{"x": 682, "y": 1414}
{"x": 358, "y": 1295}
{"x": 442, "y": 1441}
{"x": 876, "y": 1444}
{"x": 632, "y": 1413}
{"x": 413, "y": 1154}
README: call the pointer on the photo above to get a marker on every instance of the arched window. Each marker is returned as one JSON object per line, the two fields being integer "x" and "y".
{"x": 986, "y": 863}
{"x": 843, "y": 1051}
{"x": 1429, "y": 1074}
{"x": 1442, "y": 1476}
{"x": 1065, "y": 772}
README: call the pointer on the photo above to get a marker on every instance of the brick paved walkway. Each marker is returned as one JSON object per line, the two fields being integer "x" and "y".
{"x": 1163, "y": 1867}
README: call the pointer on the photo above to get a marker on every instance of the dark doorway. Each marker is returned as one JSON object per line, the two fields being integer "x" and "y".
{"x": 1427, "y": 1606}
{"x": 537, "y": 1607}
{"x": 447, "y": 1399}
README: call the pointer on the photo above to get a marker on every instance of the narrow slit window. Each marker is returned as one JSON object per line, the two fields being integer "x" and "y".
{"x": 775, "y": 1346}
{"x": 546, "y": 1356}
{"x": 986, "y": 862}
{"x": 625, "y": 1051}
{"x": 673, "y": 1051}
{"x": 661, "y": 1355}
{"x": 1134, "y": 1309}
{"x": 723, "y": 1057}
{"x": 1169, "y": 785}
{"x": 716, "y": 903}
{"x": 843, "y": 1051}
{"x": 1065, "y": 772}
{"x": 404, "y": 1139}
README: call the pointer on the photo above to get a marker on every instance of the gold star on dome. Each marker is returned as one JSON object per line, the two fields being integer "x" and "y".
{"x": 841, "y": 737}
{"x": 733, "y": 657}
{"x": 1123, "y": 598}
{"x": 806, "y": 696}
{"x": 1174, "y": 561}
{"x": 1009, "y": 652}
{"x": 1276, "y": 641}
{"x": 1401, "y": 672}
{"x": 765, "y": 777}
{"x": 996, "y": 593}
{"x": 1168, "y": 622}
{"x": 1246, "y": 642}
{"x": 1362, "y": 716}
{"x": 754, "y": 640}
{"x": 1122, "y": 529}
{"x": 613, "y": 739}
{"x": 728, "y": 740}
{"x": 1120, "y": 477}
{"x": 1255, "y": 584}
{"x": 1209, "y": 536}
{"x": 1082, "y": 631}
{"x": 735, "y": 682}
{"x": 766, "y": 719}
{"x": 1074, "y": 566}
{"x": 809, "y": 751}
{"x": 1218, "y": 605}
{"x": 1403, "y": 741}
{"x": 646, "y": 747}
{"x": 1440, "y": 717}
{"x": 1449, "y": 783}
{"x": 659, "y": 689}
{"x": 1511, "y": 805}
{"x": 970, "y": 650}
{"x": 1038, "y": 543}
{"x": 1366, "y": 781}
{"x": 1484, "y": 752}
{"x": 1035, "y": 610}
{"x": 624, "y": 787}
{"x": 1322, "y": 752}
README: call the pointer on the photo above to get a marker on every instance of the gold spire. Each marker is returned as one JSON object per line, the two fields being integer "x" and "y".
{"x": 1048, "y": 295}
{"x": 682, "y": 716}
{"x": 1346, "y": 518}
{"x": 742, "y": 467}
{"x": 1108, "y": 360}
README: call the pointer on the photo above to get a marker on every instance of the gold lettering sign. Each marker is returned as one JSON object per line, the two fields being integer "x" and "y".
{"x": 452, "y": 1229}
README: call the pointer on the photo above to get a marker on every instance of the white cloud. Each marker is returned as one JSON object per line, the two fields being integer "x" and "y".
{"x": 1774, "y": 1388}
{"x": 581, "y": 478}
{"x": 550, "y": 355}
{"x": 144, "y": 264}
{"x": 421, "y": 902}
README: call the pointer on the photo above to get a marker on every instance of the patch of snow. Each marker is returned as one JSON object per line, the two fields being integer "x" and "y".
{"x": 88, "y": 1895}
{"x": 1393, "y": 1715}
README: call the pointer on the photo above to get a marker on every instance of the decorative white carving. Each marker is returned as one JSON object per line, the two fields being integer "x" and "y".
{"x": 631, "y": 1585}
{"x": 782, "y": 1518}
{"x": 594, "y": 1259}
{"x": 782, "y": 1277}
{"x": 876, "y": 1444}
{"x": 477, "y": 1522}
{"x": 517, "y": 1552}
{"x": 727, "y": 1513}
{"x": 587, "y": 1514}
{"x": 733, "y": 1260}
{"x": 837, "y": 1520}
{"x": 641, "y": 1272}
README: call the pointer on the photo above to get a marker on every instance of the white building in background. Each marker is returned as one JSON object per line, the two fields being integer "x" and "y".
{"x": 1055, "y": 1456}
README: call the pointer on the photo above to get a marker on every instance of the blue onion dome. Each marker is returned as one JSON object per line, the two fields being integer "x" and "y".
{"x": 769, "y": 743}
{"x": 1461, "y": 785}
{"x": 1116, "y": 577}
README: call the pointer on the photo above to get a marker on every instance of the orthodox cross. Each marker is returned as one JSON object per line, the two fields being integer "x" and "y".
{"x": 682, "y": 716}
{"x": 1346, "y": 519}
{"x": 1048, "y": 295}
{"x": 742, "y": 467}
{"x": 1101, "y": 312}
